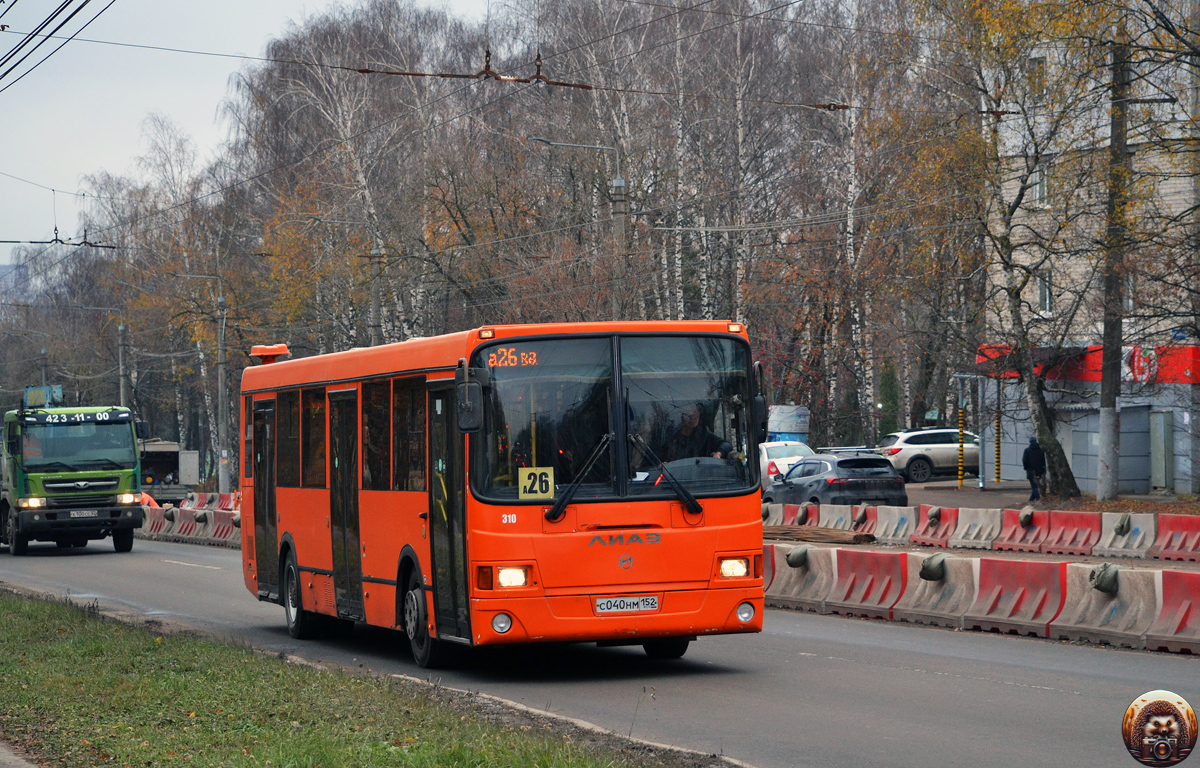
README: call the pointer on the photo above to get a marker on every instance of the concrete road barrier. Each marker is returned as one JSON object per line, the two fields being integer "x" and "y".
{"x": 1178, "y": 538}
{"x": 1018, "y": 597}
{"x": 935, "y": 526}
{"x": 223, "y": 528}
{"x": 868, "y": 583}
{"x": 1022, "y": 531}
{"x": 154, "y": 521}
{"x": 795, "y": 514}
{"x": 806, "y": 584}
{"x": 865, "y": 519}
{"x": 1177, "y": 627}
{"x": 1115, "y": 613}
{"x": 773, "y": 515}
{"x": 894, "y": 525}
{"x": 977, "y": 528}
{"x": 1123, "y": 534}
{"x": 938, "y": 601}
{"x": 1072, "y": 533}
{"x": 837, "y": 516}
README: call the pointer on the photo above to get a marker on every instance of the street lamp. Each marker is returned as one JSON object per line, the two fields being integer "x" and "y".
{"x": 222, "y": 405}
{"x": 617, "y": 192}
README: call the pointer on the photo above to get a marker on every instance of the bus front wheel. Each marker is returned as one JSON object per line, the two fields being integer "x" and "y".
{"x": 300, "y": 623}
{"x": 427, "y": 651}
{"x": 666, "y": 647}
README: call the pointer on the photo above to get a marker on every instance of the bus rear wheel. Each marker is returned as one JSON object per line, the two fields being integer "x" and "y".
{"x": 666, "y": 647}
{"x": 123, "y": 540}
{"x": 428, "y": 652}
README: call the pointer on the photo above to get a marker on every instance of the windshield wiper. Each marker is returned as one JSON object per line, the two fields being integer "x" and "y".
{"x": 560, "y": 506}
{"x": 50, "y": 466}
{"x": 684, "y": 494}
{"x": 107, "y": 462}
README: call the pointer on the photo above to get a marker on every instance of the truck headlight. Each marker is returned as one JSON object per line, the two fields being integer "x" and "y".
{"x": 33, "y": 502}
{"x": 128, "y": 498}
{"x": 735, "y": 567}
{"x": 512, "y": 577}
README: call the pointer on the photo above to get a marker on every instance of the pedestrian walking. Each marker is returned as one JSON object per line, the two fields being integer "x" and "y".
{"x": 1034, "y": 462}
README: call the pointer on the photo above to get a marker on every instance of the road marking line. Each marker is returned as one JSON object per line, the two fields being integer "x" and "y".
{"x": 194, "y": 565}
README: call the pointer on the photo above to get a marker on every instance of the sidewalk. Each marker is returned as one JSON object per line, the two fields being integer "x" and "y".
{"x": 10, "y": 759}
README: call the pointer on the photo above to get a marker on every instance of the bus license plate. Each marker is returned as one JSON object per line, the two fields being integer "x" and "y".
{"x": 83, "y": 513}
{"x": 626, "y": 604}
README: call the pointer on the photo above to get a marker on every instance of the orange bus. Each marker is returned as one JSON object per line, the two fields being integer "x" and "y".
{"x": 510, "y": 484}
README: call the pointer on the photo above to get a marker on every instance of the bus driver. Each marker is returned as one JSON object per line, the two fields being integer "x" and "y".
{"x": 693, "y": 439}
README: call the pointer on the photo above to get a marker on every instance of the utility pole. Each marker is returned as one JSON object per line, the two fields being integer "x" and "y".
{"x": 375, "y": 320}
{"x": 121, "y": 362}
{"x": 617, "y": 193}
{"x": 1120, "y": 168}
{"x": 44, "y": 364}
{"x": 222, "y": 404}
{"x": 620, "y": 211}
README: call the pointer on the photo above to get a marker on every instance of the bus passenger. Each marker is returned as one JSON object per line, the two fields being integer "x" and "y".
{"x": 693, "y": 439}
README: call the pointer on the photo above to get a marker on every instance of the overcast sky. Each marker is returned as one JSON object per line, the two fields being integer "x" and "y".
{"x": 82, "y": 110}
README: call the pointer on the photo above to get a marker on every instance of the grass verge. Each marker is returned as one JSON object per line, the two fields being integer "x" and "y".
{"x": 78, "y": 689}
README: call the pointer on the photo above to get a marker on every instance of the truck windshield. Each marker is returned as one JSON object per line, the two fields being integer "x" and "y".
{"x": 78, "y": 446}
{"x": 550, "y": 402}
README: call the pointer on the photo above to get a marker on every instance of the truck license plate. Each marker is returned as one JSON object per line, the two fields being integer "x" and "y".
{"x": 626, "y": 604}
{"x": 83, "y": 513}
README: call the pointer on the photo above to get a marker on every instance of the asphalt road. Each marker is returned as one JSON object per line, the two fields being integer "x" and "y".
{"x": 809, "y": 691}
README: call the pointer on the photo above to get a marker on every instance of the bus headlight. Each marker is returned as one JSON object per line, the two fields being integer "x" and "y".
{"x": 512, "y": 577}
{"x": 31, "y": 503}
{"x": 128, "y": 498}
{"x": 501, "y": 622}
{"x": 745, "y": 612}
{"x": 735, "y": 567}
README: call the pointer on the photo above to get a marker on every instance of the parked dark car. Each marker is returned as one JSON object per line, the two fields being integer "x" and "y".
{"x": 854, "y": 478}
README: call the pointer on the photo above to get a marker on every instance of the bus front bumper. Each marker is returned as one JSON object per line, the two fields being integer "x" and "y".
{"x": 575, "y": 618}
{"x": 53, "y": 524}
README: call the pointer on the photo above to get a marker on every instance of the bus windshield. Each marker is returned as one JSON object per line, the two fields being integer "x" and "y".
{"x": 550, "y": 402}
{"x": 90, "y": 445}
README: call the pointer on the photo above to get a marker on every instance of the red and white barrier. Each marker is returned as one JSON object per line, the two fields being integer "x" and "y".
{"x": 867, "y": 583}
{"x": 1072, "y": 533}
{"x": 1119, "y": 618}
{"x": 1178, "y": 538}
{"x": 1177, "y": 627}
{"x": 1015, "y": 537}
{"x": 1019, "y": 597}
{"x": 935, "y": 526}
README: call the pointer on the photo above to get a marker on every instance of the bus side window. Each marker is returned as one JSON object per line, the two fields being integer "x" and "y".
{"x": 287, "y": 440}
{"x": 376, "y": 435}
{"x": 408, "y": 435}
{"x": 312, "y": 438}
{"x": 248, "y": 428}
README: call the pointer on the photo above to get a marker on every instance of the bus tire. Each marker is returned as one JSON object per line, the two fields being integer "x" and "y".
{"x": 428, "y": 652}
{"x": 17, "y": 544}
{"x": 123, "y": 540}
{"x": 301, "y": 624}
{"x": 666, "y": 647}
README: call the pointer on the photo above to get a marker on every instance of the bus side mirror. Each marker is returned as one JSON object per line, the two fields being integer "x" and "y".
{"x": 142, "y": 429}
{"x": 469, "y": 398}
{"x": 760, "y": 418}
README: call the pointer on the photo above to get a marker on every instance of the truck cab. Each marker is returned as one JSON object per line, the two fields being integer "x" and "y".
{"x": 70, "y": 475}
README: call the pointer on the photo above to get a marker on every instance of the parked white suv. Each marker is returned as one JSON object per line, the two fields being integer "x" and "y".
{"x": 919, "y": 454}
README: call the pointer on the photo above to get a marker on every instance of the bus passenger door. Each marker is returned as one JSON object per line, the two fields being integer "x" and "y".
{"x": 447, "y": 518}
{"x": 266, "y": 527}
{"x": 343, "y": 504}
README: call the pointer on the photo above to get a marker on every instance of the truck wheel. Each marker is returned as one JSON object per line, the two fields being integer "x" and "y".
{"x": 428, "y": 652}
{"x": 123, "y": 540}
{"x": 17, "y": 543}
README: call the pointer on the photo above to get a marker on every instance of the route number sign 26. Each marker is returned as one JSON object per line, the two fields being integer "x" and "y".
{"x": 535, "y": 483}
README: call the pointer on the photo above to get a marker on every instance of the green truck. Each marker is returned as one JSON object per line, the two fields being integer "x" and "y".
{"x": 70, "y": 475}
